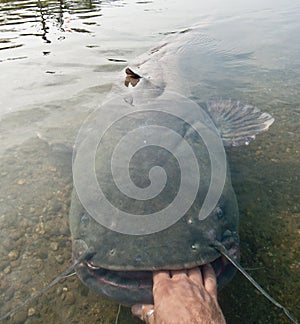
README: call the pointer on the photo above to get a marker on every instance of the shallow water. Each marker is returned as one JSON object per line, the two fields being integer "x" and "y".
{"x": 58, "y": 61}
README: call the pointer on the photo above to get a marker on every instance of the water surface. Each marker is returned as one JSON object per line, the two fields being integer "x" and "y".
{"x": 58, "y": 61}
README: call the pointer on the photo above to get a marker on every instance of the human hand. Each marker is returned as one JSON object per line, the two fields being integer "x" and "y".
{"x": 183, "y": 297}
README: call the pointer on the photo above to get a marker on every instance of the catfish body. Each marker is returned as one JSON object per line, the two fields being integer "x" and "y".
{"x": 154, "y": 107}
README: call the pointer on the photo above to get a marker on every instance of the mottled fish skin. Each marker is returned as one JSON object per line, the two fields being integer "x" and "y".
{"x": 121, "y": 268}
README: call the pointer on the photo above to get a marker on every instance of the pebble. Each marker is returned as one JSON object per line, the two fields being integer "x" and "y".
{"x": 70, "y": 312}
{"x": 38, "y": 264}
{"x": 7, "y": 270}
{"x": 59, "y": 291}
{"x": 16, "y": 235}
{"x": 31, "y": 311}
{"x": 21, "y": 182}
{"x": 64, "y": 228}
{"x": 54, "y": 246}
{"x": 13, "y": 255}
{"x": 43, "y": 253}
{"x": 69, "y": 298}
{"x": 55, "y": 208}
{"x": 15, "y": 264}
{"x": 40, "y": 230}
{"x": 4, "y": 284}
{"x": 9, "y": 294}
{"x": 20, "y": 317}
{"x": 25, "y": 278}
{"x": 3, "y": 263}
{"x": 59, "y": 258}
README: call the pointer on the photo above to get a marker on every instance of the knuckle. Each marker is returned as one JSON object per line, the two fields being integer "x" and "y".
{"x": 162, "y": 287}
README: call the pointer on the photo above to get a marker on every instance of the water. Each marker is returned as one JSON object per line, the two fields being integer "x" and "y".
{"x": 58, "y": 61}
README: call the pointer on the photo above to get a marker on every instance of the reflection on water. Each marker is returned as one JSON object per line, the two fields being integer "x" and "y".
{"x": 37, "y": 18}
{"x": 45, "y": 19}
{"x": 58, "y": 60}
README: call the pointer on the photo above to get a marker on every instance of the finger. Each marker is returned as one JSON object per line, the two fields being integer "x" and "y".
{"x": 136, "y": 310}
{"x": 196, "y": 276}
{"x": 140, "y": 311}
{"x": 210, "y": 280}
{"x": 149, "y": 315}
{"x": 160, "y": 275}
{"x": 177, "y": 274}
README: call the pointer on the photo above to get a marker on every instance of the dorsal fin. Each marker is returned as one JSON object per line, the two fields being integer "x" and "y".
{"x": 132, "y": 78}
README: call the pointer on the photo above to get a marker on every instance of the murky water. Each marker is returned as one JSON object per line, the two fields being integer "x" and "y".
{"x": 58, "y": 60}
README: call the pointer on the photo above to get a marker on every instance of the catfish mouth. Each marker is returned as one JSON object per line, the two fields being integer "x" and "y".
{"x": 121, "y": 279}
{"x": 142, "y": 278}
{"x": 130, "y": 287}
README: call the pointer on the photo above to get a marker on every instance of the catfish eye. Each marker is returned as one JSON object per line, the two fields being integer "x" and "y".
{"x": 219, "y": 212}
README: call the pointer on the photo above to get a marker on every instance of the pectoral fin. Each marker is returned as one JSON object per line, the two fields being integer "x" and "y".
{"x": 237, "y": 123}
